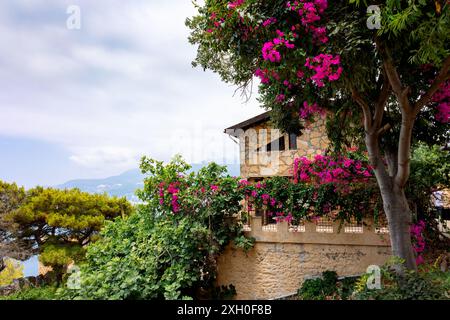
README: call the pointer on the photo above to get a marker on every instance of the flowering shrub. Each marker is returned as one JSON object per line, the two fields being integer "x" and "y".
{"x": 340, "y": 188}
{"x": 299, "y": 36}
{"x": 310, "y": 11}
{"x": 442, "y": 98}
{"x": 336, "y": 170}
{"x": 418, "y": 240}
{"x": 168, "y": 249}
{"x": 176, "y": 193}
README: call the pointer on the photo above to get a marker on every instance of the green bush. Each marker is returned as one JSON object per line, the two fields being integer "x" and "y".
{"x": 169, "y": 248}
{"x": 39, "y": 293}
{"x": 346, "y": 287}
{"x": 428, "y": 284}
{"x": 320, "y": 288}
{"x": 431, "y": 284}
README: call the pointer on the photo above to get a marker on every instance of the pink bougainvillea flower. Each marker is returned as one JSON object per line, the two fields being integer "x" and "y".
{"x": 325, "y": 169}
{"x": 419, "y": 260}
{"x": 366, "y": 173}
{"x": 270, "y": 53}
{"x": 273, "y": 202}
{"x": 277, "y": 41}
{"x": 418, "y": 240}
{"x": 443, "y": 112}
{"x": 304, "y": 176}
{"x": 175, "y": 204}
{"x": 262, "y": 75}
{"x": 269, "y": 22}
{"x": 289, "y": 45}
{"x": 280, "y": 33}
{"x": 235, "y": 4}
{"x": 310, "y": 109}
{"x": 323, "y": 65}
{"x": 348, "y": 162}
{"x": 289, "y": 218}
{"x": 244, "y": 182}
{"x": 280, "y": 98}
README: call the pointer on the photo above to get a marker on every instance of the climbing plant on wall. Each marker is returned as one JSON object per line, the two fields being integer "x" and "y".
{"x": 339, "y": 187}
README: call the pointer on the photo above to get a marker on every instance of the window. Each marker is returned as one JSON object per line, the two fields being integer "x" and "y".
{"x": 292, "y": 141}
{"x": 259, "y": 213}
{"x": 268, "y": 218}
{"x": 276, "y": 145}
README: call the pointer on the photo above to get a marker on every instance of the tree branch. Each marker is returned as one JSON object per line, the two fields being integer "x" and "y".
{"x": 376, "y": 161}
{"x": 408, "y": 117}
{"x": 382, "y": 130}
{"x": 365, "y": 107}
{"x": 391, "y": 155}
{"x": 404, "y": 150}
{"x": 442, "y": 76}
{"x": 381, "y": 103}
{"x": 401, "y": 92}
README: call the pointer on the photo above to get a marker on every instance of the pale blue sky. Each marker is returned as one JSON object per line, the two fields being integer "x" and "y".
{"x": 89, "y": 103}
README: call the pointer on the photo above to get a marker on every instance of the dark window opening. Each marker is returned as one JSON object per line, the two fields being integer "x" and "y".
{"x": 268, "y": 218}
{"x": 276, "y": 145}
{"x": 293, "y": 141}
{"x": 259, "y": 213}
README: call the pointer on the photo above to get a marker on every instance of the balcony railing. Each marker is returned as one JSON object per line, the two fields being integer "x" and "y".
{"x": 322, "y": 231}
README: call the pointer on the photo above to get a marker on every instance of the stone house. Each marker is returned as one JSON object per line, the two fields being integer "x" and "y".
{"x": 284, "y": 255}
{"x": 265, "y": 152}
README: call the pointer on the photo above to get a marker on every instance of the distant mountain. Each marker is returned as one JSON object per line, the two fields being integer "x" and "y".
{"x": 125, "y": 184}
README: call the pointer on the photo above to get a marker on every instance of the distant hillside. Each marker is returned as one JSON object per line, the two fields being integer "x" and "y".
{"x": 125, "y": 184}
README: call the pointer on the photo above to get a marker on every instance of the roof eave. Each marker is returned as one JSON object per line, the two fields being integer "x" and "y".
{"x": 248, "y": 123}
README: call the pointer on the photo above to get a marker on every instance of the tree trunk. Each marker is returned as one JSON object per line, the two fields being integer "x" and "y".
{"x": 394, "y": 199}
{"x": 399, "y": 218}
{"x": 392, "y": 182}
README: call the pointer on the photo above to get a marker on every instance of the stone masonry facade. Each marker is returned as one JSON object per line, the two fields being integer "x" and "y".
{"x": 284, "y": 256}
{"x": 258, "y": 163}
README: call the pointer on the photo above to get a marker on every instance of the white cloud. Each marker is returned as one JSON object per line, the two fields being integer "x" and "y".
{"x": 117, "y": 89}
{"x": 116, "y": 157}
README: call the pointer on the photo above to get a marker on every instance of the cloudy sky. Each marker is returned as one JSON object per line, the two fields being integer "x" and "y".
{"x": 89, "y": 102}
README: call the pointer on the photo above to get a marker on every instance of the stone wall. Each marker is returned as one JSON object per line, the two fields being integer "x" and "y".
{"x": 281, "y": 259}
{"x": 259, "y": 163}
